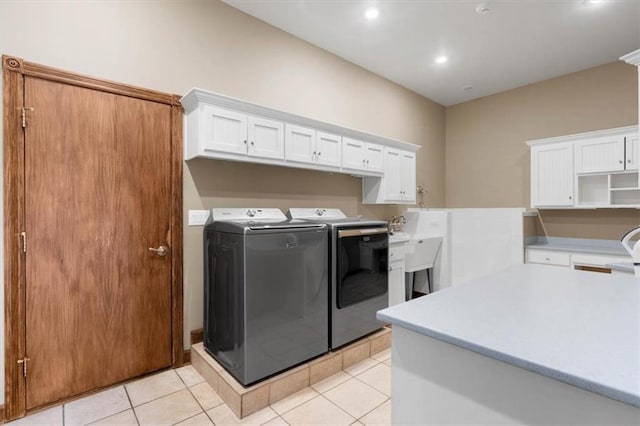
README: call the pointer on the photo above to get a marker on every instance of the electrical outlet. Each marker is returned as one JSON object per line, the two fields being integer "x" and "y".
{"x": 198, "y": 217}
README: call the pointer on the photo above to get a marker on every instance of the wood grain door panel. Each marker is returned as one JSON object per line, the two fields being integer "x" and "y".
{"x": 97, "y": 196}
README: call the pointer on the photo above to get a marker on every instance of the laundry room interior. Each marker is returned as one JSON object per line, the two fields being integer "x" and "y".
{"x": 519, "y": 149}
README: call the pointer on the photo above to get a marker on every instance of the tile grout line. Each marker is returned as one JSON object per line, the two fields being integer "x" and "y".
{"x": 373, "y": 409}
{"x": 339, "y": 408}
{"x": 190, "y": 417}
{"x": 196, "y": 399}
{"x": 135, "y": 415}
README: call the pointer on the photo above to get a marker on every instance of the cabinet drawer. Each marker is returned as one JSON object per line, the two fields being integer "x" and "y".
{"x": 396, "y": 252}
{"x": 558, "y": 258}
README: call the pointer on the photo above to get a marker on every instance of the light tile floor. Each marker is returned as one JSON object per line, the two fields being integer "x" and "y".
{"x": 359, "y": 395}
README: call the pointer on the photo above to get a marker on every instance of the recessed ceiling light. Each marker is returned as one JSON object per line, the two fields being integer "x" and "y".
{"x": 592, "y": 2}
{"x": 441, "y": 59}
{"x": 483, "y": 8}
{"x": 467, "y": 87}
{"x": 371, "y": 13}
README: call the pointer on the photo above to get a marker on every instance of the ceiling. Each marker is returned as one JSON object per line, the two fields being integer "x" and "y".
{"x": 513, "y": 44}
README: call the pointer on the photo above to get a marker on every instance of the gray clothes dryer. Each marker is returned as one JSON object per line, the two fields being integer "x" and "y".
{"x": 265, "y": 295}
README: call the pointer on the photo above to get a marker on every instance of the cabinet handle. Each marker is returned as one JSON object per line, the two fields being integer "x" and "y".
{"x": 319, "y": 153}
{"x": 245, "y": 141}
{"x": 570, "y": 197}
{"x": 547, "y": 259}
{"x": 367, "y": 162}
{"x": 629, "y": 161}
{"x": 620, "y": 161}
{"x": 251, "y": 143}
{"x": 390, "y": 254}
{"x": 391, "y": 268}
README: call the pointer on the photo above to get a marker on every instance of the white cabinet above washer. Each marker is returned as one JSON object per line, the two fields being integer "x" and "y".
{"x": 225, "y": 128}
{"x": 221, "y": 132}
{"x": 314, "y": 148}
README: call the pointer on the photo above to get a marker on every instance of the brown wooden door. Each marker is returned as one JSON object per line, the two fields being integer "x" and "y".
{"x": 97, "y": 197}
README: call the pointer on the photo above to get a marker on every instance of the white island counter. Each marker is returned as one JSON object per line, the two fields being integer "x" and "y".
{"x": 533, "y": 344}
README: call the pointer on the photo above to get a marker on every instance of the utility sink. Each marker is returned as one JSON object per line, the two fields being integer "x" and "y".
{"x": 420, "y": 253}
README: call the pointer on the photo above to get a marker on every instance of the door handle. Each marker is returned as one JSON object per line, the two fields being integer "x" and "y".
{"x": 160, "y": 251}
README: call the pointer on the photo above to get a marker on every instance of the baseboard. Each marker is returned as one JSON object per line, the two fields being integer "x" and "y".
{"x": 197, "y": 336}
{"x": 186, "y": 356}
{"x": 2, "y": 419}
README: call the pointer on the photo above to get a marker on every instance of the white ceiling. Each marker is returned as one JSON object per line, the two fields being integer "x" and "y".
{"x": 514, "y": 44}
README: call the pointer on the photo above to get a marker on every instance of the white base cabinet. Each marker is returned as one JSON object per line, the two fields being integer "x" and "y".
{"x": 396, "y": 273}
{"x": 574, "y": 260}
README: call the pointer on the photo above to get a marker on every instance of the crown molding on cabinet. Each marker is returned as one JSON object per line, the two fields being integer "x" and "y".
{"x": 195, "y": 96}
{"x": 632, "y": 58}
{"x": 586, "y": 135}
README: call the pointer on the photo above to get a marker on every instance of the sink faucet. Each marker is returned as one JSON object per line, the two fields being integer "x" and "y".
{"x": 395, "y": 222}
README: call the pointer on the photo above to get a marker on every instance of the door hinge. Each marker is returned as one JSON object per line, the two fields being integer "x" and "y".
{"x": 23, "y": 115}
{"x": 24, "y": 361}
{"x": 23, "y": 235}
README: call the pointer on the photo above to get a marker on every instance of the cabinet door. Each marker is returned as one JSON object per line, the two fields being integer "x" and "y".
{"x": 396, "y": 283}
{"x": 631, "y": 147}
{"x": 266, "y": 138}
{"x": 392, "y": 179}
{"x": 329, "y": 149}
{"x": 552, "y": 175}
{"x": 353, "y": 154}
{"x": 222, "y": 130}
{"x": 300, "y": 144}
{"x": 604, "y": 154}
{"x": 408, "y": 176}
{"x": 374, "y": 157}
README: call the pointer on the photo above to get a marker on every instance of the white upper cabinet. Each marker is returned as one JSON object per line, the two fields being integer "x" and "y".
{"x": 588, "y": 170}
{"x": 316, "y": 148}
{"x": 392, "y": 184}
{"x": 408, "y": 177}
{"x": 552, "y": 175}
{"x": 601, "y": 154}
{"x": 398, "y": 183}
{"x": 230, "y": 132}
{"x": 353, "y": 154}
{"x": 266, "y": 138}
{"x": 221, "y": 127}
{"x": 223, "y": 130}
{"x": 300, "y": 144}
{"x": 374, "y": 157}
{"x": 362, "y": 156}
{"x": 329, "y": 149}
{"x": 631, "y": 150}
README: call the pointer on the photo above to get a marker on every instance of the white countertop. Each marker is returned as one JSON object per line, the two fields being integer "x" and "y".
{"x": 579, "y": 327}
{"x": 578, "y": 245}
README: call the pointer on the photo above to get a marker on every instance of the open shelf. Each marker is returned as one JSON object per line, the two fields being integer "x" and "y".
{"x": 625, "y": 196}
{"x": 625, "y": 181}
{"x": 600, "y": 190}
{"x": 593, "y": 190}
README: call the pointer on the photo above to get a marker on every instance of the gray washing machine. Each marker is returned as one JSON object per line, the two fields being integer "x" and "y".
{"x": 265, "y": 291}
